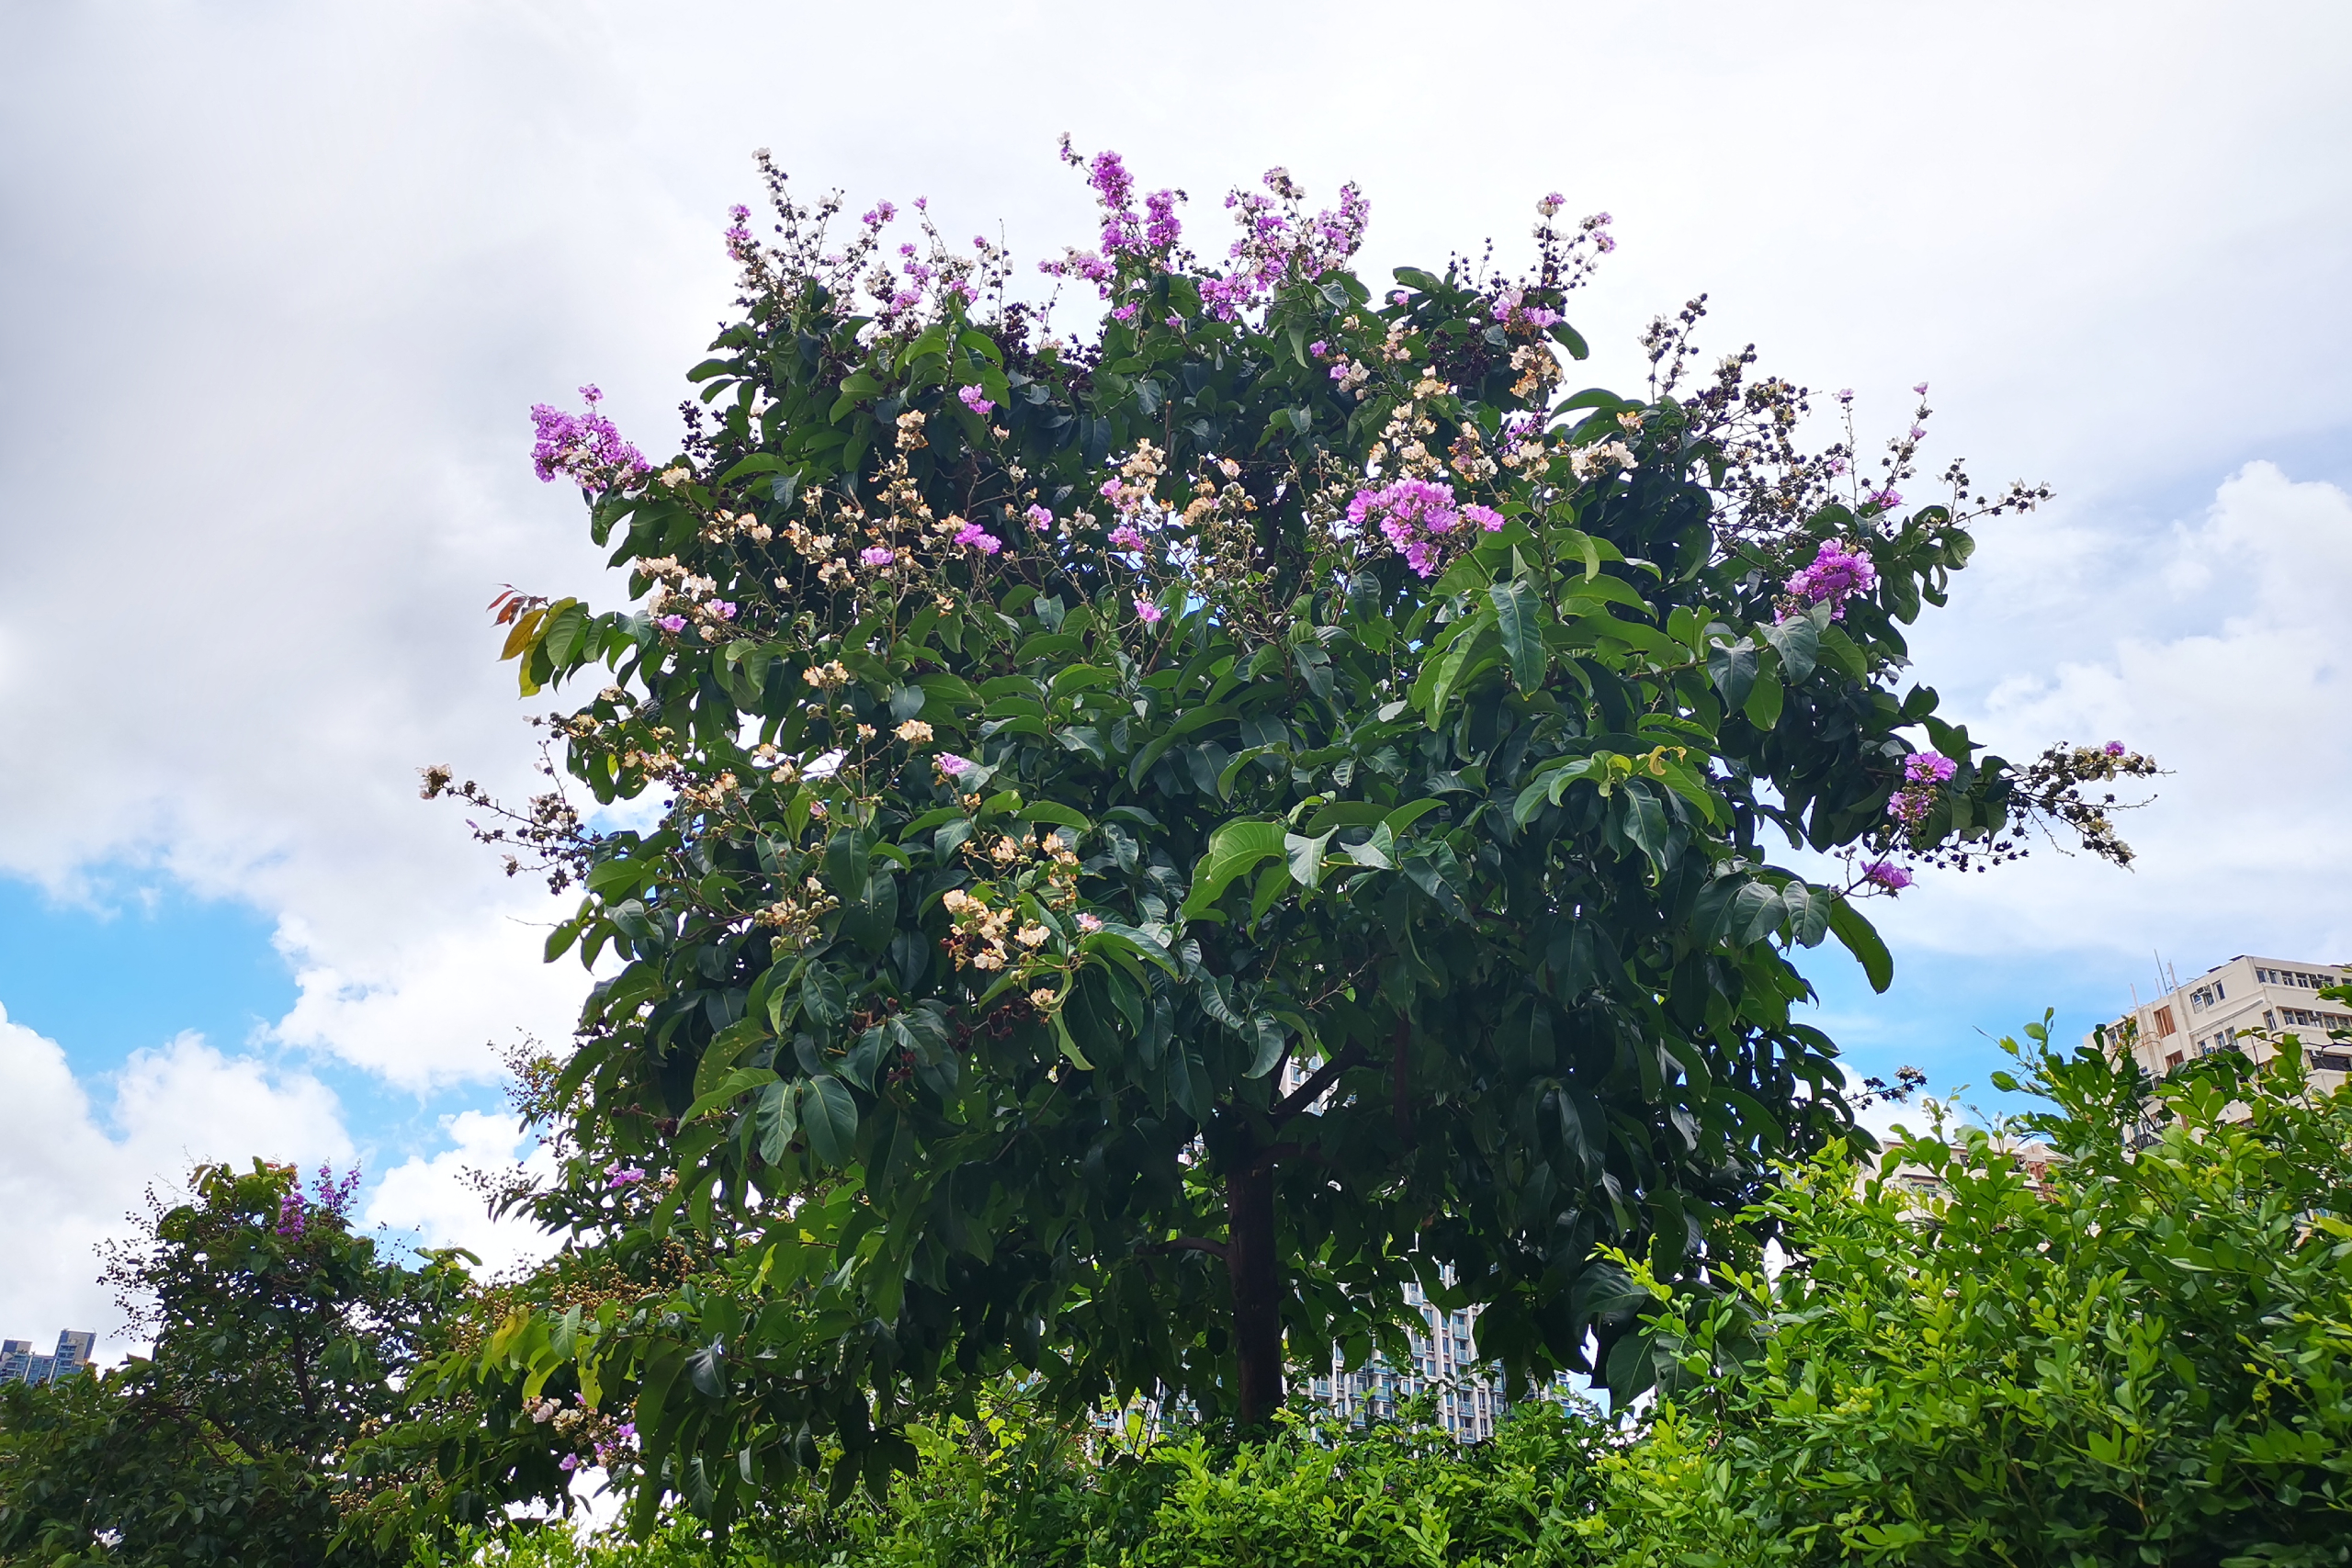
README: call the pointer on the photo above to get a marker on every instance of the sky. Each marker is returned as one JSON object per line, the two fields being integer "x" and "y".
{"x": 279, "y": 282}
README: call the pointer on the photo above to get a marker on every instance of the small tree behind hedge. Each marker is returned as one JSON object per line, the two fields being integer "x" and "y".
{"x": 280, "y": 1341}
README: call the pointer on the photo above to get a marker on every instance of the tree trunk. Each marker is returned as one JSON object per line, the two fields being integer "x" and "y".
{"x": 1257, "y": 1301}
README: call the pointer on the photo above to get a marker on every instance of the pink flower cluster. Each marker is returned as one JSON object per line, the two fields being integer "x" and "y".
{"x": 1836, "y": 574}
{"x": 972, "y": 399}
{"x": 1278, "y": 240}
{"x": 585, "y": 448}
{"x": 1886, "y": 875}
{"x": 617, "y": 1175}
{"x": 1922, "y": 771}
{"x": 329, "y": 1197}
{"x": 1418, "y": 518}
{"x": 973, "y": 537}
{"x": 1517, "y": 315}
{"x": 1125, "y": 233}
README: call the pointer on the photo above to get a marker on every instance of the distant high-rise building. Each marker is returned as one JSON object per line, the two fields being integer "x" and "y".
{"x": 18, "y": 1364}
{"x": 2247, "y": 1004}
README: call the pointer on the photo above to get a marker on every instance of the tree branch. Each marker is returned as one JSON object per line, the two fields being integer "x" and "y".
{"x": 1307, "y": 1093}
{"x": 1400, "y": 1104}
{"x": 1216, "y": 1249}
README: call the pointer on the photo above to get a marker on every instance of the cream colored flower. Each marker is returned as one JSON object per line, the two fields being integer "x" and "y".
{"x": 914, "y": 732}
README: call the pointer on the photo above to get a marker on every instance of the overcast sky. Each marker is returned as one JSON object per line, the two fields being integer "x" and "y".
{"x": 279, "y": 283}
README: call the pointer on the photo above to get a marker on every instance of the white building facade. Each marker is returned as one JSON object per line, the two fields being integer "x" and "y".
{"x": 2248, "y": 1004}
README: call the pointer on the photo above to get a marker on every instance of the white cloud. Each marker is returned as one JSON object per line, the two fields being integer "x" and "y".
{"x": 431, "y": 1198}
{"x": 2225, "y": 657}
{"x": 419, "y": 1013}
{"x": 71, "y": 1171}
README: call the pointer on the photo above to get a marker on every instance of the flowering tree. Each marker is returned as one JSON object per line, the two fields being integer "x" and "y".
{"x": 1165, "y": 839}
{"x": 281, "y": 1342}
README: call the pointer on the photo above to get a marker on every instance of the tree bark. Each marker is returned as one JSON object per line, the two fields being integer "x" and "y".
{"x": 1257, "y": 1296}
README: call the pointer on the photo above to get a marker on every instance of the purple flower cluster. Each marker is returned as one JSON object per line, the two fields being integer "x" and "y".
{"x": 1278, "y": 242}
{"x": 674, "y": 624}
{"x": 1418, "y": 517}
{"x": 1075, "y": 263}
{"x": 1928, "y": 767}
{"x": 329, "y": 1197}
{"x": 972, "y": 399}
{"x": 1887, "y": 875}
{"x": 739, "y": 234}
{"x": 617, "y": 1175}
{"x": 1123, "y": 232}
{"x": 1835, "y": 574}
{"x": 974, "y": 536}
{"x": 874, "y": 555}
{"x": 607, "y": 1453}
{"x": 1146, "y": 612}
{"x": 1922, "y": 771}
{"x": 955, "y": 767}
{"x": 1039, "y": 518}
{"x": 586, "y": 447}
{"x": 1886, "y": 500}
{"x": 1517, "y": 315}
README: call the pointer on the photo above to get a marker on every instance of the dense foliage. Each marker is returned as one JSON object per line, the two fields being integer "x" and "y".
{"x": 1163, "y": 840}
{"x": 280, "y": 1342}
{"x": 2128, "y": 1344}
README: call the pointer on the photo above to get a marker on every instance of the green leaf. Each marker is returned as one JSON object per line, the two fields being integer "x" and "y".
{"x": 1798, "y": 643}
{"x": 823, "y": 997}
{"x": 776, "y": 1114}
{"x": 1732, "y": 668}
{"x": 1305, "y": 857}
{"x": 829, "y": 1115}
{"x": 1234, "y": 849}
{"x": 1405, "y": 816}
{"x": 1847, "y": 924}
{"x": 731, "y": 1088}
{"x": 1518, "y": 620}
{"x": 1763, "y": 706}
{"x": 1270, "y": 1037}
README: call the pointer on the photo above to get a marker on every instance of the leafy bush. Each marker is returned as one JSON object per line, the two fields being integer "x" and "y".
{"x": 2119, "y": 1355}
{"x": 2133, "y": 1353}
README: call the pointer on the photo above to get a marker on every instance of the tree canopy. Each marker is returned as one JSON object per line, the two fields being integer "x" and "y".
{"x": 280, "y": 1341}
{"x": 1162, "y": 837}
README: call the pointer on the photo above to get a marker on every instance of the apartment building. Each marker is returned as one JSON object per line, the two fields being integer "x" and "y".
{"x": 2231, "y": 1003}
{"x": 18, "y": 1364}
{"x": 1469, "y": 1394}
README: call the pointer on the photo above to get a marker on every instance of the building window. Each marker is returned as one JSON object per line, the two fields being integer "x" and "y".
{"x": 2164, "y": 1021}
{"x": 2219, "y": 994}
{"x": 2173, "y": 1060}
